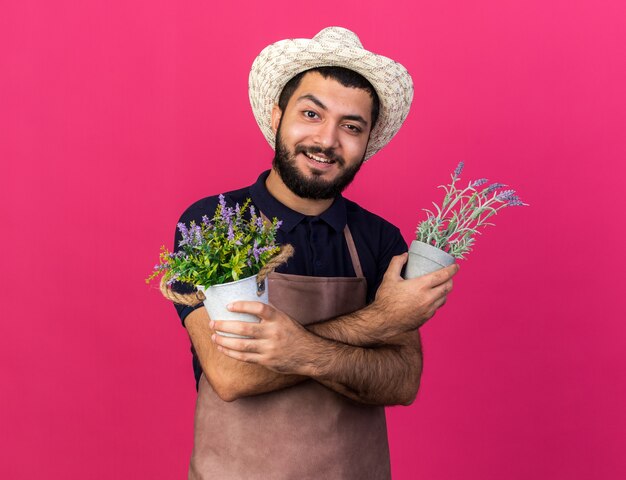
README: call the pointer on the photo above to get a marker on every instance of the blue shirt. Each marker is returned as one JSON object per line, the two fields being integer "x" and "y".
{"x": 319, "y": 243}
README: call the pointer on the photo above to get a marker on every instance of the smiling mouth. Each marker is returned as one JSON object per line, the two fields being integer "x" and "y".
{"x": 319, "y": 159}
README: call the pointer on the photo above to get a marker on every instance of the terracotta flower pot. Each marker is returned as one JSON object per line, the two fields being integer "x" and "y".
{"x": 424, "y": 258}
{"x": 218, "y": 296}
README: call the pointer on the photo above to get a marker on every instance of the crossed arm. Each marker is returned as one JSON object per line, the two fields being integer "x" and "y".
{"x": 372, "y": 356}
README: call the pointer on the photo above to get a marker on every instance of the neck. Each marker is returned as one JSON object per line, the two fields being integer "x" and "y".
{"x": 281, "y": 192}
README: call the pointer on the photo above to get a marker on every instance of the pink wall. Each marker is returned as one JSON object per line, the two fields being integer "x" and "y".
{"x": 116, "y": 115}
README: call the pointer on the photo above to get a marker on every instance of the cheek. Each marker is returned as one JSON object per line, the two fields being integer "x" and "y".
{"x": 299, "y": 132}
{"x": 295, "y": 131}
{"x": 355, "y": 148}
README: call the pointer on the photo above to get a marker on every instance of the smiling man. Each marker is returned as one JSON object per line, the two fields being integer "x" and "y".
{"x": 329, "y": 130}
{"x": 303, "y": 396}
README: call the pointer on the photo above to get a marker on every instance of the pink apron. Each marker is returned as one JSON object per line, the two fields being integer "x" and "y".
{"x": 302, "y": 432}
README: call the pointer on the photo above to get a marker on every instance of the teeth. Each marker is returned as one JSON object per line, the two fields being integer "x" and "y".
{"x": 318, "y": 159}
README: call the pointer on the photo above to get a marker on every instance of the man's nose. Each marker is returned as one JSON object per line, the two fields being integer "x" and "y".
{"x": 327, "y": 135}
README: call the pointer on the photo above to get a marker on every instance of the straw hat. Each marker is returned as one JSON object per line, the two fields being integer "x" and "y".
{"x": 333, "y": 46}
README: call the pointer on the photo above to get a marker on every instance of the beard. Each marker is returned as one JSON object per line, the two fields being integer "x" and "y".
{"x": 313, "y": 187}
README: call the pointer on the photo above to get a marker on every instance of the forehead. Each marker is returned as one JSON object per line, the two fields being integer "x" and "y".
{"x": 336, "y": 97}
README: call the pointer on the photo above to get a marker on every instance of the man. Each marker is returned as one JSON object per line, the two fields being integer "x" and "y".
{"x": 303, "y": 396}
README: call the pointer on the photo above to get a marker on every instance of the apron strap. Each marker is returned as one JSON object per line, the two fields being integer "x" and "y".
{"x": 356, "y": 263}
{"x": 354, "y": 255}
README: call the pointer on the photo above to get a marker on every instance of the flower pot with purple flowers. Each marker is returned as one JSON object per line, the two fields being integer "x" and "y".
{"x": 225, "y": 259}
{"x": 216, "y": 297}
{"x": 448, "y": 232}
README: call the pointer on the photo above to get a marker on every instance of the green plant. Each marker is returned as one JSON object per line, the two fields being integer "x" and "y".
{"x": 462, "y": 213}
{"x": 223, "y": 249}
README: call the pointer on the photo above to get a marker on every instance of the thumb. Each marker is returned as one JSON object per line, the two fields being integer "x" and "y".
{"x": 395, "y": 266}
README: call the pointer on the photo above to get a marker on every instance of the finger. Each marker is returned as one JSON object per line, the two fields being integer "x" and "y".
{"x": 442, "y": 290}
{"x": 440, "y": 302}
{"x": 441, "y": 276}
{"x": 259, "y": 309}
{"x": 236, "y": 344}
{"x": 241, "y": 356}
{"x": 428, "y": 315}
{"x": 247, "y": 329}
{"x": 394, "y": 269}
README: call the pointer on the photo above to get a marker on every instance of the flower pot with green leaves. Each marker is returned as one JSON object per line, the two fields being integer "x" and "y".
{"x": 448, "y": 232}
{"x": 226, "y": 258}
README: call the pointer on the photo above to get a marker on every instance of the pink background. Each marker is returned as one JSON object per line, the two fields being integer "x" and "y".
{"x": 116, "y": 115}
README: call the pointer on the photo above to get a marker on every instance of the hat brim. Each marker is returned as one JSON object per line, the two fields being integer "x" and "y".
{"x": 283, "y": 60}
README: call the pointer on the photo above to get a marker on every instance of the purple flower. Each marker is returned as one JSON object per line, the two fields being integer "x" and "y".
{"x": 479, "y": 182}
{"x": 458, "y": 169}
{"x": 227, "y": 214}
{"x": 252, "y": 211}
{"x": 505, "y": 195}
{"x": 259, "y": 223}
{"x": 205, "y": 220}
{"x": 515, "y": 201}
{"x": 278, "y": 224}
{"x": 491, "y": 188}
{"x": 256, "y": 251}
{"x": 182, "y": 228}
{"x": 172, "y": 279}
{"x": 231, "y": 233}
{"x": 195, "y": 235}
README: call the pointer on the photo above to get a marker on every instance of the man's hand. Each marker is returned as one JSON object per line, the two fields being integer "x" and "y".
{"x": 230, "y": 378}
{"x": 278, "y": 342}
{"x": 372, "y": 356}
{"x": 405, "y": 305}
{"x": 385, "y": 375}
{"x": 281, "y": 344}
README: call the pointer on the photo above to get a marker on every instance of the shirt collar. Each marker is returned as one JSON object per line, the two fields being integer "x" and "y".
{"x": 336, "y": 215}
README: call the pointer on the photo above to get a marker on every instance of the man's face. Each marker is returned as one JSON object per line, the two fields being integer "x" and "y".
{"x": 321, "y": 137}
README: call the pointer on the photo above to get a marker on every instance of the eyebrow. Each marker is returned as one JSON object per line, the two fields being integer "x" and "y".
{"x": 317, "y": 101}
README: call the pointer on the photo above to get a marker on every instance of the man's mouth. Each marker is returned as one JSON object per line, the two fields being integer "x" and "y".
{"x": 318, "y": 158}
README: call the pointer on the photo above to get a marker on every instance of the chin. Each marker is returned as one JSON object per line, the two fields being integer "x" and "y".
{"x": 310, "y": 179}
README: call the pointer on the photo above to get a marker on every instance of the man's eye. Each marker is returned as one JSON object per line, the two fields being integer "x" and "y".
{"x": 310, "y": 114}
{"x": 353, "y": 128}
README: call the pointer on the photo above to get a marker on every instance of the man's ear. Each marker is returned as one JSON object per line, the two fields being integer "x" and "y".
{"x": 276, "y": 116}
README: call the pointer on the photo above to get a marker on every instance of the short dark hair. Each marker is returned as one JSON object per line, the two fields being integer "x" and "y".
{"x": 348, "y": 78}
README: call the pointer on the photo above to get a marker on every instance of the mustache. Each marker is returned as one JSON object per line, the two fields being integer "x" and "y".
{"x": 327, "y": 152}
